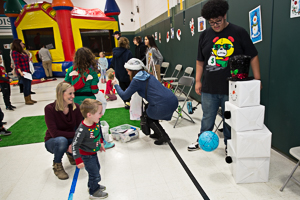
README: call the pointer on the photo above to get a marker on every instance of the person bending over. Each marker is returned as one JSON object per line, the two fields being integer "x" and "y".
{"x": 161, "y": 101}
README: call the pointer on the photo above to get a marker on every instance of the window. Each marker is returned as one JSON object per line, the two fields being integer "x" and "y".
{"x": 98, "y": 40}
{"x": 35, "y": 38}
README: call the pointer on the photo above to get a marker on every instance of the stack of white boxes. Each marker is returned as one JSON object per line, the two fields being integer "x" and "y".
{"x": 250, "y": 143}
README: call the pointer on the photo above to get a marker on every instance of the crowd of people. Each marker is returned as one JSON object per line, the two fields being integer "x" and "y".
{"x": 73, "y": 119}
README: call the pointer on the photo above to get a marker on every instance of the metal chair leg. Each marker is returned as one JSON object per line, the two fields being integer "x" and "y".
{"x": 291, "y": 175}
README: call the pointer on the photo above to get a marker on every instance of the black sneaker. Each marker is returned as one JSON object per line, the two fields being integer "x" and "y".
{"x": 5, "y": 132}
{"x": 194, "y": 147}
{"x": 9, "y": 108}
{"x": 4, "y": 123}
{"x": 32, "y": 92}
{"x": 13, "y": 106}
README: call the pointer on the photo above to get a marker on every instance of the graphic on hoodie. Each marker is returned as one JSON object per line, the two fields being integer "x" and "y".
{"x": 221, "y": 51}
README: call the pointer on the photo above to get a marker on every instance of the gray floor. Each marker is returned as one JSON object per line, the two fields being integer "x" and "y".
{"x": 134, "y": 170}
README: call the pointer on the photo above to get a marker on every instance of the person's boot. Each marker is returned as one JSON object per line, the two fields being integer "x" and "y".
{"x": 158, "y": 129}
{"x": 154, "y": 135}
{"x": 27, "y": 101}
{"x": 71, "y": 159}
{"x": 59, "y": 171}
{"x": 32, "y": 100}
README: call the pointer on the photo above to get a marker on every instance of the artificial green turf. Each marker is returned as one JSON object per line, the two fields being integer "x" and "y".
{"x": 32, "y": 129}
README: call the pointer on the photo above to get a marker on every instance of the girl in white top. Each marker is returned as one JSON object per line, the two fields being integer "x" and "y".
{"x": 153, "y": 57}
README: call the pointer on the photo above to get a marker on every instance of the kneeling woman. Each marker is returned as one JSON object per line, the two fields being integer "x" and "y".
{"x": 62, "y": 118}
{"x": 161, "y": 101}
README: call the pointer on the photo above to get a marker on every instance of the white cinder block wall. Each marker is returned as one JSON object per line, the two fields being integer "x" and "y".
{"x": 148, "y": 10}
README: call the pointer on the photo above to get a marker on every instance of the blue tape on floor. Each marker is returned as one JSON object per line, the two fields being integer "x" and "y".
{"x": 73, "y": 186}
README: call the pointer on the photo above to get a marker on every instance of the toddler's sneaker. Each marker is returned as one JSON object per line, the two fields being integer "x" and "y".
{"x": 108, "y": 145}
{"x": 99, "y": 195}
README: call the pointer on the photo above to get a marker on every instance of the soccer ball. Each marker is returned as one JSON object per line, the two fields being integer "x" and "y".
{"x": 208, "y": 141}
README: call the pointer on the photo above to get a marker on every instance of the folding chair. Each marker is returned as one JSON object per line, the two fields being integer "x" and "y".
{"x": 186, "y": 81}
{"x": 187, "y": 72}
{"x": 220, "y": 114}
{"x": 174, "y": 75}
{"x": 166, "y": 66}
{"x": 295, "y": 151}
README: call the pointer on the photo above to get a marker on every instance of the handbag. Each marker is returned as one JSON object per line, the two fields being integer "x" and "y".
{"x": 144, "y": 118}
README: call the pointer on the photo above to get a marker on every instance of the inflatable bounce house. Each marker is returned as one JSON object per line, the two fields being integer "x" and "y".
{"x": 63, "y": 28}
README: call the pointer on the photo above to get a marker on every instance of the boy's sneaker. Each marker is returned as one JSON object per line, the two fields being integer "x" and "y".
{"x": 102, "y": 188}
{"x": 3, "y": 131}
{"x": 194, "y": 146}
{"x": 99, "y": 195}
{"x": 13, "y": 106}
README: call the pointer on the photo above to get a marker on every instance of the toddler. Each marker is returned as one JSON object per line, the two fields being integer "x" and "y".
{"x": 102, "y": 66}
{"x": 87, "y": 141}
{"x": 110, "y": 96}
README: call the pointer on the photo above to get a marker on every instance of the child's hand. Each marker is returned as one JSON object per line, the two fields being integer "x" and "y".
{"x": 102, "y": 148}
{"x": 10, "y": 80}
{"x": 115, "y": 81}
{"x": 111, "y": 92}
{"x": 89, "y": 77}
{"x": 70, "y": 148}
{"x": 81, "y": 165}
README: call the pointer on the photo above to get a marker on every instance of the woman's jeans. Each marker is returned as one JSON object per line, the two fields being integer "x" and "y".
{"x": 26, "y": 86}
{"x": 92, "y": 166}
{"x": 58, "y": 146}
{"x": 210, "y": 106}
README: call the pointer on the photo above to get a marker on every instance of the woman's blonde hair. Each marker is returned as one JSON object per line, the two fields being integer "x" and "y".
{"x": 60, "y": 89}
{"x": 124, "y": 42}
{"x": 84, "y": 59}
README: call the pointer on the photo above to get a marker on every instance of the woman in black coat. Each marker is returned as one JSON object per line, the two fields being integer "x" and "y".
{"x": 140, "y": 49}
{"x": 121, "y": 55}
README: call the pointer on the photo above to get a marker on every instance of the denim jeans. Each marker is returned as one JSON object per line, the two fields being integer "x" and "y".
{"x": 58, "y": 146}
{"x": 92, "y": 166}
{"x": 26, "y": 86}
{"x": 210, "y": 105}
{"x": 1, "y": 118}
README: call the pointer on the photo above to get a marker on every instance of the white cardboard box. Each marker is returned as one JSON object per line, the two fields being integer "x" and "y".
{"x": 244, "y": 93}
{"x": 256, "y": 143}
{"x": 246, "y": 118}
{"x": 248, "y": 170}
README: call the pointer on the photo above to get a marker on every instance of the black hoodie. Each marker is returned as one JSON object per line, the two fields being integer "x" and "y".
{"x": 120, "y": 57}
{"x": 140, "y": 52}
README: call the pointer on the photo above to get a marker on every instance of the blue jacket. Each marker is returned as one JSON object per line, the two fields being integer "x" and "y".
{"x": 120, "y": 57}
{"x": 162, "y": 101}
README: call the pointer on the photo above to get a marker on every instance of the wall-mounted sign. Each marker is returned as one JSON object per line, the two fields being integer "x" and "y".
{"x": 201, "y": 24}
{"x": 4, "y": 23}
{"x": 295, "y": 8}
{"x": 192, "y": 27}
{"x": 255, "y": 25}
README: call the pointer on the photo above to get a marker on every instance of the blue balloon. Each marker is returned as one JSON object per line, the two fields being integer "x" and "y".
{"x": 208, "y": 141}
